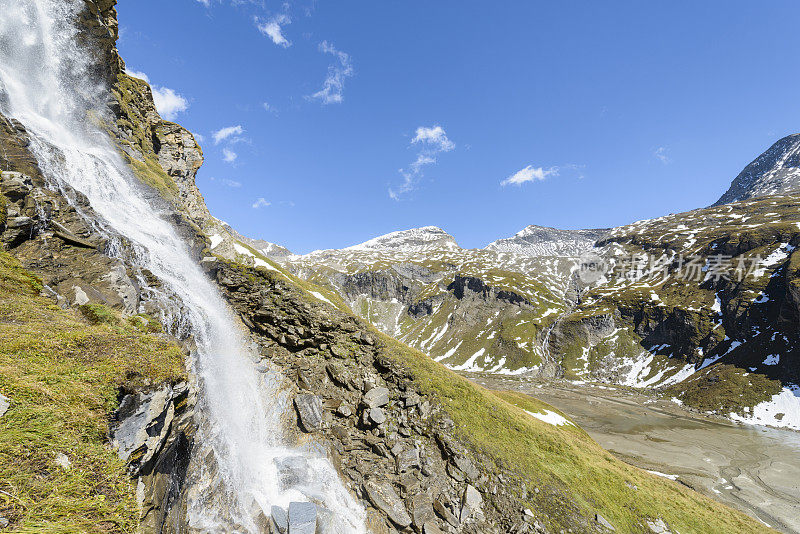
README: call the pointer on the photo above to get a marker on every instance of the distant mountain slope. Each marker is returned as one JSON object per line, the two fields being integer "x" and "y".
{"x": 543, "y": 241}
{"x": 470, "y": 309}
{"x": 774, "y": 172}
{"x": 519, "y": 307}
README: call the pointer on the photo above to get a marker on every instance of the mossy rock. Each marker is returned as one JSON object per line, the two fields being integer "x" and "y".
{"x": 99, "y": 314}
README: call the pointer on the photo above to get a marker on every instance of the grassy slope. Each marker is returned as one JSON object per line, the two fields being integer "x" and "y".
{"x": 62, "y": 374}
{"x": 565, "y": 459}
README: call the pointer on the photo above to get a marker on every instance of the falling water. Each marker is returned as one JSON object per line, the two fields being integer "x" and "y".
{"x": 45, "y": 83}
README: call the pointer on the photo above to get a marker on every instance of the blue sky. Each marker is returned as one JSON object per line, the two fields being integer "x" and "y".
{"x": 478, "y": 117}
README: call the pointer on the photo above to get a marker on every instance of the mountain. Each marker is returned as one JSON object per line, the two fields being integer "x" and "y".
{"x": 414, "y": 240}
{"x": 521, "y": 305}
{"x": 775, "y": 172}
{"x": 161, "y": 374}
{"x": 543, "y": 241}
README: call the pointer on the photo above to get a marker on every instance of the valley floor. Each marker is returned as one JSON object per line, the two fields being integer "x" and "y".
{"x": 754, "y": 469}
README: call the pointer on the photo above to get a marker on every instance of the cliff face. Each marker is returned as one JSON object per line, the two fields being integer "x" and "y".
{"x": 775, "y": 172}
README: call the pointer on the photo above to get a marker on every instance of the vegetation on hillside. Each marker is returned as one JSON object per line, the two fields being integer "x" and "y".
{"x": 62, "y": 371}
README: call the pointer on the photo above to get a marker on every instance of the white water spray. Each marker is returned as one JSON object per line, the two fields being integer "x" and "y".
{"x": 45, "y": 84}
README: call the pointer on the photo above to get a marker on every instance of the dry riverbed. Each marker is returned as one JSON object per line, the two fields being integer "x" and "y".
{"x": 755, "y": 469}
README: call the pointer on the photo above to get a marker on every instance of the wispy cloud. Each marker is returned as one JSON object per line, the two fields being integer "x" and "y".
{"x": 228, "y": 155}
{"x": 227, "y": 182}
{"x": 206, "y": 3}
{"x": 661, "y": 154}
{"x": 530, "y": 174}
{"x": 332, "y": 91}
{"x": 433, "y": 141}
{"x": 231, "y": 133}
{"x": 261, "y": 202}
{"x": 168, "y": 102}
{"x": 272, "y": 28}
{"x": 434, "y": 136}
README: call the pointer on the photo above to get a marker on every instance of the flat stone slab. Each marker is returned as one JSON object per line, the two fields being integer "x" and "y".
{"x": 385, "y": 499}
{"x": 309, "y": 409}
{"x": 302, "y": 518}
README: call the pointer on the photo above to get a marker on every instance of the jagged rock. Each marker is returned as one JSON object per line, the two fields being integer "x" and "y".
{"x": 603, "y": 522}
{"x": 309, "y": 410}
{"x": 465, "y": 466}
{"x": 5, "y": 404}
{"x": 407, "y": 460}
{"x": 141, "y": 425}
{"x": 422, "y": 510}
{"x": 302, "y": 518}
{"x": 383, "y": 497}
{"x": 443, "y": 512}
{"x": 431, "y": 528}
{"x": 471, "y": 504}
{"x": 376, "y": 397}
{"x": 280, "y": 519}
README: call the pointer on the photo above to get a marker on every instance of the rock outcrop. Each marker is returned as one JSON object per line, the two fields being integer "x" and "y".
{"x": 775, "y": 172}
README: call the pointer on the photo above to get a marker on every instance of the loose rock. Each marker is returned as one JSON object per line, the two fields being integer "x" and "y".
{"x": 376, "y": 397}
{"x": 604, "y": 522}
{"x": 5, "y": 404}
{"x": 302, "y": 518}
{"x": 280, "y": 519}
{"x": 383, "y": 496}
{"x": 309, "y": 410}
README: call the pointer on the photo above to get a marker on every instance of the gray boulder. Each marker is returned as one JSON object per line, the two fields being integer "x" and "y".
{"x": 302, "y": 518}
{"x": 309, "y": 410}
{"x": 280, "y": 520}
{"x": 376, "y": 397}
{"x": 385, "y": 499}
{"x": 471, "y": 504}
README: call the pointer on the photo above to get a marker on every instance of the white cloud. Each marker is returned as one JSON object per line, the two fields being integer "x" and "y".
{"x": 137, "y": 74}
{"x": 272, "y": 29}
{"x": 228, "y": 155}
{"x": 198, "y": 137}
{"x": 530, "y": 174}
{"x": 226, "y": 133}
{"x": 435, "y": 136}
{"x": 260, "y": 203}
{"x": 206, "y": 3}
{"x": 662, "y": 156}
{"x": 333, "y": 87}
{"x": 434, "y": 141}
{"x": 168, "y": 102}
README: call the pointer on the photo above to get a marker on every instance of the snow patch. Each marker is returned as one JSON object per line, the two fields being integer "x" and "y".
{"x": 551, "y": 418}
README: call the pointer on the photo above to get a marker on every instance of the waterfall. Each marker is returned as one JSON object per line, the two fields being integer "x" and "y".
{"x": 46, "y": 84}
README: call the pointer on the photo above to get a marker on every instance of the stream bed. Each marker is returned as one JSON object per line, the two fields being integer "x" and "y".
{"x": 755, "y": 469}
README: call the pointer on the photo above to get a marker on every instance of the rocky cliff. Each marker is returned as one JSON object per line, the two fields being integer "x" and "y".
{"x": 775, "y": 172}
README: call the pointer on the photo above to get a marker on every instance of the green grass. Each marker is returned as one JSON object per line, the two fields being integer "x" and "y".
{"x": 3, "y": 209}
{"x": 723, "y": 389}
{"x": 62, "y": 373}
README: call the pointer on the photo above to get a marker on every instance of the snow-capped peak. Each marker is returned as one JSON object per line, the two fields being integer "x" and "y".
{"x": 544, "y": 241}
{"x": 426, "y": 238}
